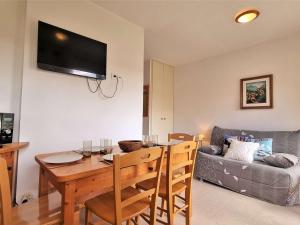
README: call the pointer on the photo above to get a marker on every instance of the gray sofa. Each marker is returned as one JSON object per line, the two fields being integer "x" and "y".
{"x": 272, "y": 184}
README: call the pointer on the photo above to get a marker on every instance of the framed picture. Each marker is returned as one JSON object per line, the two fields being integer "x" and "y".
{"x": 257, "y": 92}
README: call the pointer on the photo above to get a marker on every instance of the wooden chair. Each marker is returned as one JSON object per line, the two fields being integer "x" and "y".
{"x": 180, "y": 137}
{"x": 126, "y": 203}
{"x": 179, "y": 156}
{"x": 45, "y": 210}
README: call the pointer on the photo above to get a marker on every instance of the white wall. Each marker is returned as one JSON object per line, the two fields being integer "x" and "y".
{"x": 12, "y": 14}
{"x": 58, "y": 111}
{"x": 207, "y": 92}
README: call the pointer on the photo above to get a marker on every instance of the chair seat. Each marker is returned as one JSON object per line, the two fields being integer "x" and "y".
{"x": 177, "y": 188}
{"x": 45, "y": 210}
{"x": 104, "y": 205}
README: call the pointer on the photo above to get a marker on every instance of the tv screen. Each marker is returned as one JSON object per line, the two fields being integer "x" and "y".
{"x": 67, "y": 52}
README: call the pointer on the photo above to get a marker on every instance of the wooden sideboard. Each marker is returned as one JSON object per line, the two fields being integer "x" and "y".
{"x": 10, "y": 153}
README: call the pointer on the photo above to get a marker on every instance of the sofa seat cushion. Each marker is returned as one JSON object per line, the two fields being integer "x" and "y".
{"x": 277, "y": 185}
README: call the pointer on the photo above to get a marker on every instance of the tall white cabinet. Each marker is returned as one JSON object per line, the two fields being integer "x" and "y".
{"x": 160, "y": 81}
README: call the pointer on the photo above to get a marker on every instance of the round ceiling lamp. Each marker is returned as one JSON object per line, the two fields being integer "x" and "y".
{"x": 246, "y": 16}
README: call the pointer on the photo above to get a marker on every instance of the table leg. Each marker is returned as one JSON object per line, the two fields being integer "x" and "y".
{"x": 43, "y": 184}
{"x": 68, "y": 204}
{"x": 77, "y": 217}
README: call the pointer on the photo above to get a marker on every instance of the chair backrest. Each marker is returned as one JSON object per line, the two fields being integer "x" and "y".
{"x": 5, "y": 197}
{"x": 181, "y": 157}
{"x": 180, "y": 137}
{"x": 126, "y": 175}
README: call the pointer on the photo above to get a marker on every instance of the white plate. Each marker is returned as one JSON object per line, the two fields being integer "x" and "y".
{"x": 110, "y": 157}
{"x": 59, "y": 158}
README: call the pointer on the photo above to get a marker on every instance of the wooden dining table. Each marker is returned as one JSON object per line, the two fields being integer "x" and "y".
{"x": 80, "y": 181}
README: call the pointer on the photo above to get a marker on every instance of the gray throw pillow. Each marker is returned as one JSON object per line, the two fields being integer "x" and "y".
{"x": 281, "y": 160}
{"x": 211, "y": 149}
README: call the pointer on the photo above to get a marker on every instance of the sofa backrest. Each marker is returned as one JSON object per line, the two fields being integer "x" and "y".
{"x": 283, "y": 141}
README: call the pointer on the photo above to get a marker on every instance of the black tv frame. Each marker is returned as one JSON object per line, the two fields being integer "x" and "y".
{"x": 69, "y": 70}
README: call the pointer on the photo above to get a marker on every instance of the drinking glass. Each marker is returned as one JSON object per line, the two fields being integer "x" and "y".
{"x": 87, "y": 148}
{"x": 154, "y": 140}
{"x": 108, "y": 146}
{"x": 146, "y": 140}
{"x": 102, "y": 145}
{"x": 105, "y": 146}
{"x": 150, "y": 140}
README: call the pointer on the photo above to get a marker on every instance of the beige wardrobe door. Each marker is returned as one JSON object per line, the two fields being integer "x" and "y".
{"x": 161, "y": 100}
{"x": 168, "y": 106}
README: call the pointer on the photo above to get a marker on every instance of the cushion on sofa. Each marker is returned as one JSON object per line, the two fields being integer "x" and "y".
{"x": 227, "y": 141}
{"x": 281, "y": 160}
{"x": 265, "y": 148}
{"x": 211, "y": 149}
{"x": 242, "y": 151}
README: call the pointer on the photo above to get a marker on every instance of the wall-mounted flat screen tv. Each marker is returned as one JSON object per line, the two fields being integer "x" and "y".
{"x": 63, "y": 51}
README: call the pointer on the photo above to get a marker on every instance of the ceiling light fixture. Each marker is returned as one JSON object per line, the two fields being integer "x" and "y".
{"x": 246, "y": 16}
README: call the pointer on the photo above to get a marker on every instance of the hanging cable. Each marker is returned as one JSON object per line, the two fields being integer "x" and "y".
{"x": 115, "y": 91}
{"x": 88, "y": 83}
{"x": 98, "y": 87}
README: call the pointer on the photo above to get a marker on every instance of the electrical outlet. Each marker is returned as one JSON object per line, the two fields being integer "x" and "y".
{"x": 26, "y": 197}
{"x": 115, "y": 76}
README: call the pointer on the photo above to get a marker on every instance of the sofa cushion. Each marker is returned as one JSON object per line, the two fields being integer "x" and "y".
{"x": 265, "y": 148}
{"x": 227, "y": 141}
{"x": 242, "y": 151}
{"x": 211, "y": 149}
{"x": 281, "y": 160}
{"x": 283, "y": 141}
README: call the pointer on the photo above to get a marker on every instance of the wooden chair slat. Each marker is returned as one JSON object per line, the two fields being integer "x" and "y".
{"x": 180, "y": 137}
{"x": 180, "y": 209}
{"x": 181, "y": 178}
{"x": 183, "y": 148}
{"x": 138, "y": 179}
{"x": 138, "y": 197}
{"x": 182, "y": 164}
{"x": 146, "y": 217}
{"x": 138, "y": 157}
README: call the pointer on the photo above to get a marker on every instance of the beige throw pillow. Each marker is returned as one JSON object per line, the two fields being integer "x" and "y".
{"x": 242, "y": 151}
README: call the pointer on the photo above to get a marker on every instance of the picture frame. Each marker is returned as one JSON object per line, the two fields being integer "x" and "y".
{"x": 256, "y": 92}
